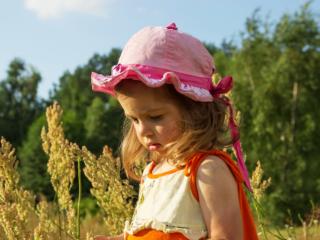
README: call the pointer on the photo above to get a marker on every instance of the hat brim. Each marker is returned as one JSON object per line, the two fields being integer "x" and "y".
{"x": 106, "y": 84}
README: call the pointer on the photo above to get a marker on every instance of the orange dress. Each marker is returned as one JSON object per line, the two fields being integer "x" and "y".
{"x": 249, "y": 230}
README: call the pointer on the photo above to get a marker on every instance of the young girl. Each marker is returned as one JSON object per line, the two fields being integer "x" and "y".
{"x": 176, "y": 122}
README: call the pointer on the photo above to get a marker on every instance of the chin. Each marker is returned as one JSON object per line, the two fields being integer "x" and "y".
{"x": 156, "y": 155}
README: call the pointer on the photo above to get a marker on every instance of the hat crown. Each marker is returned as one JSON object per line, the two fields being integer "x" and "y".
{"x": 167, "y": 48}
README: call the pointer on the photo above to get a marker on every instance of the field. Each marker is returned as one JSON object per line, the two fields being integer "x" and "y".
{"x": 296, "y": 233}
{"x": 21, "y": 217}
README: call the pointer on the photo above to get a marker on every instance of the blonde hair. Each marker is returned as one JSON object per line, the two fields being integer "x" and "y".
{"x": 204, "y": 127}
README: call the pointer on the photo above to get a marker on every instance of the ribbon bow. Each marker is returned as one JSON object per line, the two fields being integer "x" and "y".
{"x": 224, "y": 86}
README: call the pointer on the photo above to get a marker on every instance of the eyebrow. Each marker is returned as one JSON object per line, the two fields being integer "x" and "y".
{"x": 147, "y": 111}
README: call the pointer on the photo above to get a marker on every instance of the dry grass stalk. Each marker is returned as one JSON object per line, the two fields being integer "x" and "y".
{"x": 259, "y": 187}
{"x": 62, "y": 155}
{"x": 47, "y": 228}
{"x": 89, "y": 236}
{"x": 15, "y": 202}
{"x": 18, "y": 217}
{"x": 114, "y": 195}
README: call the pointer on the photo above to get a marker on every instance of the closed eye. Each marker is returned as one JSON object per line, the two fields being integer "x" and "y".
{"x": 156, "y": 118}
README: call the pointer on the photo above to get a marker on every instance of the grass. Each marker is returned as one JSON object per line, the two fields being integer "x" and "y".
{"x": 295, "y": 233}
{"x": 112, "y": 193}
{"x": 96, "y": 226}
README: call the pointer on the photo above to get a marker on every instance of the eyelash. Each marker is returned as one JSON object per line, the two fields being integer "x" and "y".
{"x": 156, "y": 118}
{"x": 153, "y": 118}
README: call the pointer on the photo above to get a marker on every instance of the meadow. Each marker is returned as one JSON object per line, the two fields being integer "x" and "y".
{"x": 26, "y": 215}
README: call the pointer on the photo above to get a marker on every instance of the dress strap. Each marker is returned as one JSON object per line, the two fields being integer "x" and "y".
{"x": 192, "y": 167}
{"x": 249, "y": 229}
{"x": 154, "y": 176}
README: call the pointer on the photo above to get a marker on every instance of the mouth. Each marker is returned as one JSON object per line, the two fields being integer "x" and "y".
{"x": 153, "y": 146}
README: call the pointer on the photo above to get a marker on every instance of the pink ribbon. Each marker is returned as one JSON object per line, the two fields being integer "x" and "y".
{"x": 224, "y": 86}
{"x": 172, "y": 26}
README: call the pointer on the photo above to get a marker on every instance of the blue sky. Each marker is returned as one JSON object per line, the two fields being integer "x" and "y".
{"x": 58, "y": 35}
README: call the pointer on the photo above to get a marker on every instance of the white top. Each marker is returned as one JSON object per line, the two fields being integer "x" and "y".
{"x": 166, "y": 203}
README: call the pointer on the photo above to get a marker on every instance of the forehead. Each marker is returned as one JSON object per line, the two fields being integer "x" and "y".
{"x": 134, "y": 97}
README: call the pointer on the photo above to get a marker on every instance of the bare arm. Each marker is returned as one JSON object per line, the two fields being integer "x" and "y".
{"x": 218, "y": 197}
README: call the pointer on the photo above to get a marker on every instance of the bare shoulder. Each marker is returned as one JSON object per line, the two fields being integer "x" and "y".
{"x": 213, "y": 167}
{"x": 215, "y": 176}
{"x": 218, "y": 198}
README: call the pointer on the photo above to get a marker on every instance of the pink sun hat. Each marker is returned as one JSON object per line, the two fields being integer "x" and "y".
{"x": 162, "y": 55}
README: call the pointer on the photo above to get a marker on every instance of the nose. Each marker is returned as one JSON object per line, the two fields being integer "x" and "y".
{"x": 144, "y": 129}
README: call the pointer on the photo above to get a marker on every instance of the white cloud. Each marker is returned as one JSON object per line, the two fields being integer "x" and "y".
{"x": 46, "y": 9}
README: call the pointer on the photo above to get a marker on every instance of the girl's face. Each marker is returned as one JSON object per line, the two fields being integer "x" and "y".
{"x": 156, "y": 118}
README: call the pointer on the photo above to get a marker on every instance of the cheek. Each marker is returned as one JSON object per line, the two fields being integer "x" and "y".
{"x": 171, "y": 131}
{"x": 177, "y": 131}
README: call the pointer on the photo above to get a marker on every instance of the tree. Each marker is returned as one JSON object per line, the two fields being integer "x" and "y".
{"x": 33, "y": 167}
{"x": 89, "y": 118}
{"x": 18, "y": 100}
{"x": 75, "y": 95}
{"x": 276, "y": 90}
{"x": 103, "y": 124}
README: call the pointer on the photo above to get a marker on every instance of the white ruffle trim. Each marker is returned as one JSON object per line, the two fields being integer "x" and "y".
{"x": 196, "y": 93}
{"x": 192, "y": 233}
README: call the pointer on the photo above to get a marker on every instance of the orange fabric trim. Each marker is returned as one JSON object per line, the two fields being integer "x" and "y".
{"x": 153, "y": 176}
{"x": 194, "y": 163}
{"x": 151, "y": 234}
{"x": 249, "y": 229}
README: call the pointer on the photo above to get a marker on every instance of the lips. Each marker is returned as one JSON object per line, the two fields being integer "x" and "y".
{"x": 153, "y": 146}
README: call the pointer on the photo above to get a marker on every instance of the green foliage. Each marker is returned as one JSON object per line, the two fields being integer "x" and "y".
{"x": 86, "y": 121}
{"x": 88, "y": 207}
{"x": 75, "y": 96}
{"x": 103, "y": 124}
{"x": 18, "y": 101}
{"x": 276, "y": 90}
{"x": 33, "y": 167}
